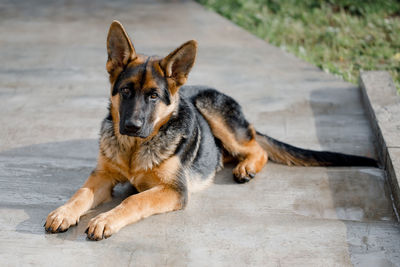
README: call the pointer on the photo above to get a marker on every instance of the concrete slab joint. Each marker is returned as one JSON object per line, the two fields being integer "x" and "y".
{"x": 383, "y": 107}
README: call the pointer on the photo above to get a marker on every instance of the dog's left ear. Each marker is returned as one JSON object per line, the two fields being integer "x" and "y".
{"x": 178, "y": 64}
{"x": 119, "y": 48}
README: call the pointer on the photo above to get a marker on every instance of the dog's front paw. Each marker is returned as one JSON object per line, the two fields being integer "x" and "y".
{"x": 101, "y": 226}
{"x": 60, "y": 220}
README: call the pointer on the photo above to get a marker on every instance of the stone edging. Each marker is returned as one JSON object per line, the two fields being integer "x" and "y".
{"x": 383, "y": 108}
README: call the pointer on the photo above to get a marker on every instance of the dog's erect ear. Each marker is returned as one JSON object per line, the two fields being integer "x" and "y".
{"x": 119, "y": 48}
{"x": 178, "y": 64}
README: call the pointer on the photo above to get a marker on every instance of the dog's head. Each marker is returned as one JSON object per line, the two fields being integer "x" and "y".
{"x": 144, "y": 90}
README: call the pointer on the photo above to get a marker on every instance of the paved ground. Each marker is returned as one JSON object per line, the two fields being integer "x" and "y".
{"x": 53, "y": 89}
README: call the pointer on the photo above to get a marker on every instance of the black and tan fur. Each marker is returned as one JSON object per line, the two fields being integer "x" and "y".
{"x": 169, "y": 140}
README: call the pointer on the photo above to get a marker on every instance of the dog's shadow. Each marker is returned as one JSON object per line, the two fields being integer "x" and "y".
{"x": 225, "y": 176}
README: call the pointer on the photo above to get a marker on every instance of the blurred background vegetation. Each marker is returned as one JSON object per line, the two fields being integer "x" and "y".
{"x": 341, "y": 37}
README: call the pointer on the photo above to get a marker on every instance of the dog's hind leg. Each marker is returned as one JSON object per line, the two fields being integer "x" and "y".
{"x": 238, "y": 137}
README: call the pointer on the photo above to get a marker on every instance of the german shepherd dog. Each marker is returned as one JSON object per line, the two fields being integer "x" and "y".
{"x": 169, "y": 140}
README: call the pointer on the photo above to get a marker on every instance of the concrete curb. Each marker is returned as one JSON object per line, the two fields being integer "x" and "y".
{"x": 383, "y": 107}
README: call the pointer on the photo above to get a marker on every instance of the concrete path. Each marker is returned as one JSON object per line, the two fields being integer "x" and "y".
{"x": 53, "y": 96}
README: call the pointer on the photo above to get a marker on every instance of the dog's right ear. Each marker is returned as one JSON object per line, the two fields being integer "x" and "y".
{"x": 119, "y": 48}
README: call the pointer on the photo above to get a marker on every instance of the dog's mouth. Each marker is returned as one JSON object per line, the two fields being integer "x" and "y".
{"x": 139, "y": 133}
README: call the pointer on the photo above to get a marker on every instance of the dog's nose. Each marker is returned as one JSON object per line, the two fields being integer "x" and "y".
{"x": 133, "y": 124}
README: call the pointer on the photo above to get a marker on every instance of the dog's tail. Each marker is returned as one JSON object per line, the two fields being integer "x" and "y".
{"x": 280, "y": 152}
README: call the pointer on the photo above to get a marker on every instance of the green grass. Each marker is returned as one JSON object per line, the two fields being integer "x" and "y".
{"x": 341, "y": 37}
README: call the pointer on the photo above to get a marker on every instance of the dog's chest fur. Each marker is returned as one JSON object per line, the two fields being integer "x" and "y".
{"x": 131, "y": 154}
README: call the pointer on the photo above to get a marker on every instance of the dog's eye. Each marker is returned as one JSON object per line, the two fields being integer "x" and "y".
{"x": 125, "y": 91}
{"x": 153, "y": 96}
